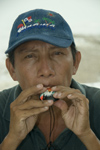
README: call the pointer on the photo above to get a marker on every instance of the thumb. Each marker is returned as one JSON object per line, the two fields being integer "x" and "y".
{"x": 62, "y": 105}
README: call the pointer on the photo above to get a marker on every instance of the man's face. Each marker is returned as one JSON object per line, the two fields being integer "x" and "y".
{"x": 39, "y": 62}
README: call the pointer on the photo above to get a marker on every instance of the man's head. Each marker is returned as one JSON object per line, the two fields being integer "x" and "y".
{"x": 42, "y": 50}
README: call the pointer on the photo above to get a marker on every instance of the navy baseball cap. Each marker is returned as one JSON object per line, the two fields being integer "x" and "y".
{"x": 39, "y": 24}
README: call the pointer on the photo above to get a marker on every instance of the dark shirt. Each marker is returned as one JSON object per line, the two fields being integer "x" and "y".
{"x": 35, "y": 140}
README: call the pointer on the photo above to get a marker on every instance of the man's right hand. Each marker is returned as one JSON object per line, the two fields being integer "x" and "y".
{"x": 24, "y": 112}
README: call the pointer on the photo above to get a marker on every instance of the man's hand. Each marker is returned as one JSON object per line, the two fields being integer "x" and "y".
{"x": 74, "y": 108}
{"x": 24, "y": 112}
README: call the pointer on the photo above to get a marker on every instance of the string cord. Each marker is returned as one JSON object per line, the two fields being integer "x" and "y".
{"x": 52, "y": 119}
{"x": 52, "y": 124}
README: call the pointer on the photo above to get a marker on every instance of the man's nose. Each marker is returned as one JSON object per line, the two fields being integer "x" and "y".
{"x": 46, "y": 68}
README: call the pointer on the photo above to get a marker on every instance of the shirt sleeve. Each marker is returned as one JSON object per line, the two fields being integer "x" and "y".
{"x": 95, "y": 112}
{"x": 3, "y": 123}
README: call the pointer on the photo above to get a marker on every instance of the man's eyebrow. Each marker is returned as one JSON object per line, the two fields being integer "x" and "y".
{"x": 54, "y": 47}
{"x": 35, "y": 49}
{"x": 25, "y": 49}
{"x": 57, "y": 48}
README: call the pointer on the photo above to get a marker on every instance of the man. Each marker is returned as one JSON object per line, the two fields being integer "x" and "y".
{"x": 42, "y": 55}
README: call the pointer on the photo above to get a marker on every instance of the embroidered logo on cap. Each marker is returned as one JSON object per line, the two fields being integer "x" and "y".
{"x": 26, "y": 20}
{"x": 50, "y": 14}
{"x": 37, "y": 23}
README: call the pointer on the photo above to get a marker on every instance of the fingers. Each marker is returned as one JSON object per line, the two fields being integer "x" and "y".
{"x": 35, "y": 104}
{"x": 79, "y": 98}
{"x": 25, "y": 110}
{"x": 69, "y": 94}
{"x": 26, "y": 105}
{"x": 62, "y": 105}
{"x": 22, "y": 115}
{"x": 62, "y": 92}
{"x": 29, "y": 108}
{"x": 76, "y": 113}
{"x": 26, "y": 94}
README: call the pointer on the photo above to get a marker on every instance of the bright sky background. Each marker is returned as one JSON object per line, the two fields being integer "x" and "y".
{"x": 82, "y": 15}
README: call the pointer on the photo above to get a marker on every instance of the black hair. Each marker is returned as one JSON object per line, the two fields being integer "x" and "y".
{"x": 11, "y": 57}
{"x": 74, "y": 51}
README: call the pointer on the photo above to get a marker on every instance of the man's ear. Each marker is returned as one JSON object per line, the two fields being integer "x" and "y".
{"x": 76, "y": 62}
{"x": 11, "y": 69}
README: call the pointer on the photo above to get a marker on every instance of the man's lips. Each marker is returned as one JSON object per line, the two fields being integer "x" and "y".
{"x": 48, "y": 86}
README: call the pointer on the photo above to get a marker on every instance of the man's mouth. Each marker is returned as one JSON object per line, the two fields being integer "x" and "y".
{"x": 48, "y": 86}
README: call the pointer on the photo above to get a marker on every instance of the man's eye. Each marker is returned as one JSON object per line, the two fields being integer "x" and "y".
{"x": 30, "y": 56}
{"x": 58, "y": 53}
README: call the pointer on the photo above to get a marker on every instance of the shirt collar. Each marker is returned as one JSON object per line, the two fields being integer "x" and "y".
{"x": 79, "y": 86}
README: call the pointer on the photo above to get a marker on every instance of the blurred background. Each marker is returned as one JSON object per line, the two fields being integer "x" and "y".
{"x": 83, "y": 16}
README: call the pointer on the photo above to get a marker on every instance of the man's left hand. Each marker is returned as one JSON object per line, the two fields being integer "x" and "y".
{"x": 74, "y": 108}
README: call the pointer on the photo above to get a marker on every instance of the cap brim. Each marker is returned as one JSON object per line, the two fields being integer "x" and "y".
{"x": 52, "y": 40}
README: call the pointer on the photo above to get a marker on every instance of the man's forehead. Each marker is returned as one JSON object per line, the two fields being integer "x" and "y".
{"x": 35, "y": 45}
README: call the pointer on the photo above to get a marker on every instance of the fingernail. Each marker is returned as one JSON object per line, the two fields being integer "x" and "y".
{"x": 49, "y": 101}
{"x": 53, "y": 88}
{"x": 59, "y": 94}
{"x": 46, "y": 107}
{"x": 39, "y": 86}
{"x": 69, "y": 95}
{"x": 55, "y": 94}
